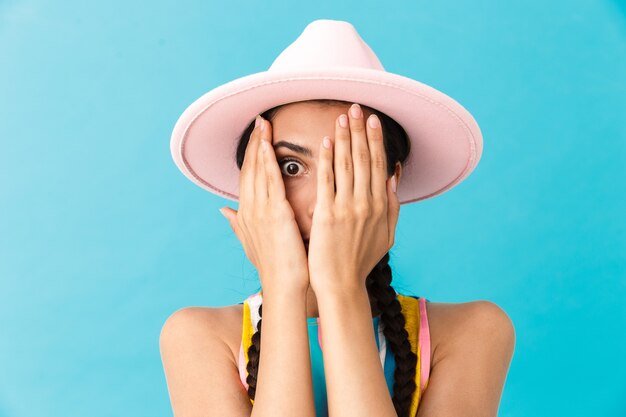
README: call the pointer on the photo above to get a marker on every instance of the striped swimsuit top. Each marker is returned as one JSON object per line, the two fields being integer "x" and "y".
{"x": 414, "y": 311}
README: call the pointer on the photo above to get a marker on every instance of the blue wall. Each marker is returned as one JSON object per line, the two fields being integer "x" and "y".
{"x": 102, "y": 238}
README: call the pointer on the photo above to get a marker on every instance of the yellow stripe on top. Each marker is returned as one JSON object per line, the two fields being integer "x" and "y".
{"x": 246, "y": 335}
{"x": 411, "y": 312}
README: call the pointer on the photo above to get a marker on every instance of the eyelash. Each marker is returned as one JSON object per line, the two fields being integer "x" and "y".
{"x": 283, "y": 160}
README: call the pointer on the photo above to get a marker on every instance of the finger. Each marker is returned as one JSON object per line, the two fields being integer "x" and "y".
{"x": 231, "y": 216}
{"x": 342, "y": 159}
{"x": 360, "y": 154}
{"x": 260, "y": 182}
{"x": 273, "y": 175}
{"x": 393, "y": 211}
{"x": 378, "y": 159}
{"x": 325, "y": 175}
{"x": 246, "y": 179}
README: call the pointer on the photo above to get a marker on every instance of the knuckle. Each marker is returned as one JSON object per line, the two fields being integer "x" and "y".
{"x": 363, "y": 210}
{"x": 378, "y": 209}
{"x": 346, "y": 165}
{"x": 325, "y": 178}
{"x": 379, "y": 161}
{"x": 342, "y": 213}
{"x": 357, "y": 126}
{"x": 363, "y": 156}
{"x": 342, "y": 136}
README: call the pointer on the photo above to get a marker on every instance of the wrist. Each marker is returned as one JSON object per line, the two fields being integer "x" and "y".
{"x": 290, "y": 283}
{"x": 344, "y": 301}
{"x": 284, "y": 289}
{"x": 335, "y": 291}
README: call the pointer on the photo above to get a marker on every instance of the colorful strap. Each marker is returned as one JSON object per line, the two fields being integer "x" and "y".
{"x": 416, "y": 325}
{"x": 411, "y": 312}
{"x": 424, "y": 337}
{"x": 250, "y": 325}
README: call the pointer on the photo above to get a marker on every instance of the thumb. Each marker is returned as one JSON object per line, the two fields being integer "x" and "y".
{"x": 231, "y": 216}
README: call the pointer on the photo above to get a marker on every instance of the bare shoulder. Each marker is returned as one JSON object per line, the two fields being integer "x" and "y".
{"x": 472, "y": 345}
{"x": 197, "y": 346}
{"x": 453, "y": 324}
{"x": 222, "y": 323}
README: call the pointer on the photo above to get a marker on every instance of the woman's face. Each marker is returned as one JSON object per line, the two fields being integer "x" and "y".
{"x": 303, "y": 125}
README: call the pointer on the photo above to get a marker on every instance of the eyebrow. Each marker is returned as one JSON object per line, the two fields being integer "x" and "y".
{"x": 296, "y": 148}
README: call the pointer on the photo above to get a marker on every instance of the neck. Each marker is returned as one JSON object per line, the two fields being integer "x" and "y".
{"x": 311, "y": 304}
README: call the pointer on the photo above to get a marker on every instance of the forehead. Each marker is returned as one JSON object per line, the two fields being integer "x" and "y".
{"x": 306, "y": 121}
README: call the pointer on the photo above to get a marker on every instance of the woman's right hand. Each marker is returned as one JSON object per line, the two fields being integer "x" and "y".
{"x": 265, "y": 222}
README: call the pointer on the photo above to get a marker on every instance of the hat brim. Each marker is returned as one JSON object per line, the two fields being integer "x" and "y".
{"x": 446, "y": 142}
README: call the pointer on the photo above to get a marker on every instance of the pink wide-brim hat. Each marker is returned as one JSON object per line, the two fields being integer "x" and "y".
{"x": 329, "y": 60}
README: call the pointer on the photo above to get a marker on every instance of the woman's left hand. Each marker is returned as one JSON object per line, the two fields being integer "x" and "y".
{"x": 354, "y": 226}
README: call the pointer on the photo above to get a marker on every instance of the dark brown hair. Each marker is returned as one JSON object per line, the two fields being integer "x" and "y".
{"x": 381, "y": 294}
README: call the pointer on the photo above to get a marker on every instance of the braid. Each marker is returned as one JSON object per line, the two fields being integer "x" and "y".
{"x": 253, "y": 358}
{"x": 384, "y": 301}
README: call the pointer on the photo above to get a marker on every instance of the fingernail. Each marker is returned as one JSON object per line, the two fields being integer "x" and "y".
{"x": 393, "y": 183}
{"x": 257, "y": 121}
{"x": 222, "y": 211}
{"x": 373, "y": 121}
{"x": 355, "y": 110}
{"x": 343, "y": 120}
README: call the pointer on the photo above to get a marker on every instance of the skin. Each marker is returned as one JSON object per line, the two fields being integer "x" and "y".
{"x": 305, "y": 124}
{"x": 351, "y": 221}
{"x": 471, "y": 343}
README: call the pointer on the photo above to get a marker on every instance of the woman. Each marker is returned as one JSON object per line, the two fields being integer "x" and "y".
{"x": 320, "y": 186}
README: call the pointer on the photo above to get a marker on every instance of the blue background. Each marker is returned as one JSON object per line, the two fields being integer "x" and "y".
{"x": 102, "y": 238}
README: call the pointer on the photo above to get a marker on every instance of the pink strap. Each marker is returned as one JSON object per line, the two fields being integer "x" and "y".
{"x": 424, "y": 336}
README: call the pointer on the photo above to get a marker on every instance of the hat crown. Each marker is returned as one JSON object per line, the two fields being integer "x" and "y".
{"x": 327, "y": 43}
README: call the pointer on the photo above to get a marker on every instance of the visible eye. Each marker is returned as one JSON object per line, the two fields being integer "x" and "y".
{"x": 290, "y": 163}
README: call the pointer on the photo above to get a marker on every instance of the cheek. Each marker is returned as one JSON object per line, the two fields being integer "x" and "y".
{"x": 300, "y": 191}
